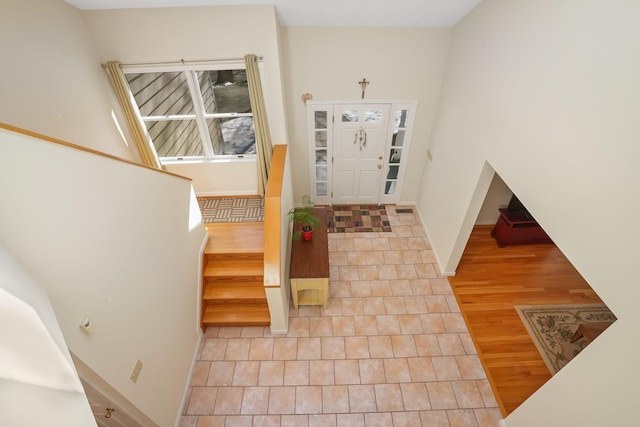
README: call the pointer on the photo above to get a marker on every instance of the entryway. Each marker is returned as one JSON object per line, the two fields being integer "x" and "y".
{"x": 358, "y": 151}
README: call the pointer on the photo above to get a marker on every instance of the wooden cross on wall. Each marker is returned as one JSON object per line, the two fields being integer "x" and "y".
{"x": 363, "y": 84}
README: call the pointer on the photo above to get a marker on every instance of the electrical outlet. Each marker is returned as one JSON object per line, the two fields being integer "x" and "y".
{"x": 136, "y": 371}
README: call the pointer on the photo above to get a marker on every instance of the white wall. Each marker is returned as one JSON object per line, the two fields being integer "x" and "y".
{"x": 192, "y": 34}
{"x": 547, "y": 93}
{"x": 36, "y": 369}
{"x": 52, "y": 82}
{"x": 400, "y": 63}
{"x": 498, "y": 196}
{"x": 117, "y": 243}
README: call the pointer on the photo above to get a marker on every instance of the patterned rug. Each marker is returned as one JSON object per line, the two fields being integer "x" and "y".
{"x": 232, "y": 209}
{"x": 552, "y": 327}
{"x": 357, "y": 219}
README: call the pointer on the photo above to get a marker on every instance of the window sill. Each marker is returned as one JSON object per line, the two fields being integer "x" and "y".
{"x": 247, "y": 158}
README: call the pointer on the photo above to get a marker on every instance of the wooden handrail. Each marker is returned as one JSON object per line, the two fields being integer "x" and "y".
{"x": 273, "y": 219}
{"x": 81, "y": 148}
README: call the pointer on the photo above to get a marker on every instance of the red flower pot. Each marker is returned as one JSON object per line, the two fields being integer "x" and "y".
{"x": 307, "y": 231}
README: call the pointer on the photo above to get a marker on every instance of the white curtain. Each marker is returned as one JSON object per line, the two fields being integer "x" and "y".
{"x": 138, "y": 131}
{"x": 264, "y": 148}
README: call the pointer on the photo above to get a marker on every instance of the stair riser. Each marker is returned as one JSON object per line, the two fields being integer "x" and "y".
{"x": 239, "y": 323}
{"x": 213, "y": 293}
{"x": 238, "y": 316}
{"x": 232, "y": 271}
{"x": 248, "y": 305}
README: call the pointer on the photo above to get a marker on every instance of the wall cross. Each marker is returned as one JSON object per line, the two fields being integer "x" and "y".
{"x": 363, "y": 84}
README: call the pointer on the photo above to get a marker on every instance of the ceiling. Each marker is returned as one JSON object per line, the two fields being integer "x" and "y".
{"x": 344, "y": 13}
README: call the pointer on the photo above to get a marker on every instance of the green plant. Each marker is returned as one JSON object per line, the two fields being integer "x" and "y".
{"x": 304, "y": 217}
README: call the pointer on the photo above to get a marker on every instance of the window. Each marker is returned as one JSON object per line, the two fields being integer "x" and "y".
{"x": 195, "y": 113}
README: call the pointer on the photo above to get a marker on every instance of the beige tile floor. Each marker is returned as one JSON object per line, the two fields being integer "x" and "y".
{"x": 391, "y": 349}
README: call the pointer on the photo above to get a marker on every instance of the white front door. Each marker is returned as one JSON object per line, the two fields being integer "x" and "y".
{"x": 360, "y": 135}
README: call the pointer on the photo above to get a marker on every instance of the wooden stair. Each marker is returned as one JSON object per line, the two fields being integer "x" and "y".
{"x": 233, "y": 276}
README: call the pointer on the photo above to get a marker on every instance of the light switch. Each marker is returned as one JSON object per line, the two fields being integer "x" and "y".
{"x": 136, "y": 371}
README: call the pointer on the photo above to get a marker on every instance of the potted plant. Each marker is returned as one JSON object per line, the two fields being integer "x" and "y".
{"x": 305, "y": 218}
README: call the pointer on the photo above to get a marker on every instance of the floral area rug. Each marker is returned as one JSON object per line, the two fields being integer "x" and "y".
{"x": 231, "y": 209}
{"x": 357, "y": 219}
{"x": 552, "y": 328}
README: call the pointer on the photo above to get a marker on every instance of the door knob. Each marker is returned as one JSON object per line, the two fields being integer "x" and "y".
{"x": 380, "y": 158}
{"x": 379, "y": 166}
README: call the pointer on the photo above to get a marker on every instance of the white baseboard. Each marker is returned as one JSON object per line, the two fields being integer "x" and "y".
{"x": 185, "y": 395}
{"x": 279, "y": 331}
{"x": 196, "y": 353}
{"x": 440, "y": 267}
{"x": 503, "y": 423}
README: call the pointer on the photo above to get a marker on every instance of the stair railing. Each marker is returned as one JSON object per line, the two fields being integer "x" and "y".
{"x": 273, "y": 219}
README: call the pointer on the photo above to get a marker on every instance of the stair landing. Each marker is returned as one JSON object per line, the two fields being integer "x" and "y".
{"x": 235, "y": 237}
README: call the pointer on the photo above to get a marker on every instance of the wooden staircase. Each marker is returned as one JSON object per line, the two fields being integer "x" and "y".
{"x": 233, "y": 276}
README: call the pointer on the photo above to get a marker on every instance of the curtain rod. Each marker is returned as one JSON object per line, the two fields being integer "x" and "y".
{"x": 183, "y": 62}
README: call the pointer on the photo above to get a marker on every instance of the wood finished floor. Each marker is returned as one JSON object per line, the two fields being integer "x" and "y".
{"x": 488, "y": 283}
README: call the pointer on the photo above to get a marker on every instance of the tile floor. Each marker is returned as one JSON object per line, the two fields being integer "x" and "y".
{"x": 392, "y": 349}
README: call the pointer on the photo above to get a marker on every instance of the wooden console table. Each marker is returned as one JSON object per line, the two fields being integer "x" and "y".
{"x": 515, "y": 227}
{"x": 309, "y": 270}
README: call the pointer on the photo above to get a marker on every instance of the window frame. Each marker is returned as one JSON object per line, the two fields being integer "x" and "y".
{"x": 201, "y": 116}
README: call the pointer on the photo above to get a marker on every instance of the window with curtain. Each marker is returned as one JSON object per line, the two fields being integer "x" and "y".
{"x": 195, "y": 113}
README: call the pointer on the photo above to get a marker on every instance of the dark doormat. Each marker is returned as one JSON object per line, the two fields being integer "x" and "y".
{"x": 357, "y": 219}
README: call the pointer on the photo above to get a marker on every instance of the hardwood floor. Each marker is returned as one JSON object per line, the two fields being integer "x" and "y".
{"x": 489, "y": 282}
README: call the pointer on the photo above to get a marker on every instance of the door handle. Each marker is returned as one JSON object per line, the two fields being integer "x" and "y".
{"x": 379, "y": 166}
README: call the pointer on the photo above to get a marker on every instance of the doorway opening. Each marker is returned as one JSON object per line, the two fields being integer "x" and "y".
{"x": 491, "y": 283}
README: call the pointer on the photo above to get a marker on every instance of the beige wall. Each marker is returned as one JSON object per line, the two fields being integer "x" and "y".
{"x": 105, "y": 243}
{"x": 222, "y": 178}
{"x": 547, "y": 94}
{"x": 192, "y": 34}
{"x": 51, "y": 80}
{"x": 52, "y": 83}
{"x": 400, "y": 63}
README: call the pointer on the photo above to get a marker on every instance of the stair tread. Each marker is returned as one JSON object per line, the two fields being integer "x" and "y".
{"x": 235, "y": 256}
{"x": 234, "y": 292}
{"x": 234, "y": 268}
{"x": 245, "y": 317}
